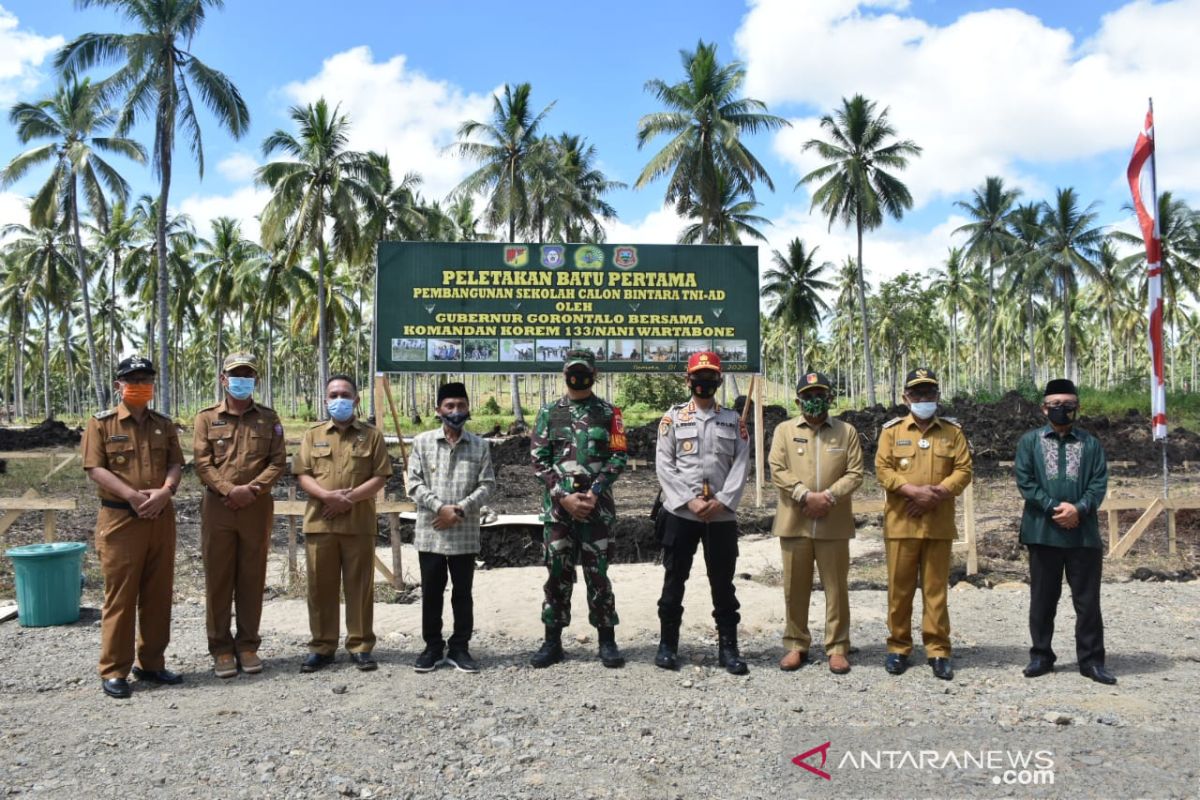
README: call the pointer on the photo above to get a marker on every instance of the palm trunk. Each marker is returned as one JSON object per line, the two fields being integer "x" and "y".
{"x": 270, "y": 387}
{"x": 217, "y": 372}
{"x": 991, "y": 325}
{"x": 518, "y": 412}
{"x": 322, "y": 342}
{"x": 868, "y": 364}
{"x": 93, "y": 362}
{"x": 799, "y": 352}
{"x": 1033, "y": 378}
{"x": 46, "y": 361}
{"x": 165, "y": 136}
{"x": 1068, "y": 348}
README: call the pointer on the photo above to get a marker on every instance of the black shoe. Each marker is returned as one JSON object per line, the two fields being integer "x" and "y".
{"x": 941, "y": 668}
{"x": 461, "y": 660}
{"x": 895, "y": 663}
{"x": 728, "y": 655}
{"x": 610, "y": 654}
{"x": 363, "y": 662}
{"x": 551, "y": 652}
{"x": 315, "y": 661}
{"x": 428, "y": 660}
{"x": 1037, "y": 667}
{"x": 116, "y": 687}
{"x": 160, "y": 676}
{"x": 666, "y": 658}
{"x": 1099, "y": 674}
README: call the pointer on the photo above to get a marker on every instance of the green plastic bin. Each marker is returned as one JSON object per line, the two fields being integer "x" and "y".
{"x": 48, "y": 582}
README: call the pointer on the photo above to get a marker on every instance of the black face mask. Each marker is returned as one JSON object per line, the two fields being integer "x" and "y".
{"x": 1061, "y": 416}
{"x": 580, "y": 378}
{"x": 705, "y": 388}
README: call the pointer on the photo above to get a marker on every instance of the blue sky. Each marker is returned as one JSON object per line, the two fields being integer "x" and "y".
{"x": 1046, "y": 94}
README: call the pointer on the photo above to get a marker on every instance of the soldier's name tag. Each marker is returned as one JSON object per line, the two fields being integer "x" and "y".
{"x": 690, "y": 424}
{"x": 903, "y": 442}
{"x": 834, "y": 449}
{"x": 119, "y": 437}
{"x": 216, "y": 423}
{"x": 800, "y": 439}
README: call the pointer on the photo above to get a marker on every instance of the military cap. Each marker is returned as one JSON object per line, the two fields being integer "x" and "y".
{"x": 813, "y": 380}
{"x": 703, "y": 360}
{"x": 581, "y": 356}
{"x": 919, "y": 376}
{"x": 135, "y": 364}
{"x": 235, "y": 360}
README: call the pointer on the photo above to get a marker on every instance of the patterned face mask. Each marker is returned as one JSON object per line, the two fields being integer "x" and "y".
{"x": 580, "y": 378}
{"x": 814, "y": 406}
{"x": 1061, "y": 415}
{"x": 457, "y": 419}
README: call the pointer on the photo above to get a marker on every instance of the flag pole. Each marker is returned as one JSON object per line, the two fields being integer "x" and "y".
{"x": 1154, "y": 200}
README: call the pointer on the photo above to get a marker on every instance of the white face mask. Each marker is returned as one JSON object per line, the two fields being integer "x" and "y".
{"x": 923, "y": 410}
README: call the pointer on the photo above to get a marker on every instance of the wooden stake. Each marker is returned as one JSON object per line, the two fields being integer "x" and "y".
{"x": 1113, "y": 528}
{"x": 1171, "y": 548}
{"x": 1127, "y": 541}
{"x": 48, "y": 522}
{"x": 293, "y": 571}
{"x": 759, "y": 433}
{"x": 387, "y": 389}
{"x": 397, "y": 553}
{"x": 969, "y": 525}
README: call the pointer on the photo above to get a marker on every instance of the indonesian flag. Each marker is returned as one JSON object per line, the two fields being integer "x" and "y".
{"x": 1145, "y": 203}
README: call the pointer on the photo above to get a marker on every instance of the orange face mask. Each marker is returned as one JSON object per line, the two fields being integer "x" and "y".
{"x": 137, "y": 395}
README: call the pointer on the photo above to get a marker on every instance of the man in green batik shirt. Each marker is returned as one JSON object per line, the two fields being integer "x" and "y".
{"x": 1063, "y": 476}
{"x": 578, "y": 448}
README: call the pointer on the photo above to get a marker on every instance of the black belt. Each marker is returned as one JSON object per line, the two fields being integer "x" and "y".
{"x": 117, "y": 504}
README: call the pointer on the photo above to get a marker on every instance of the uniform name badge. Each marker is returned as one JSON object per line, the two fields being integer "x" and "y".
{"x": 923, "y": 444}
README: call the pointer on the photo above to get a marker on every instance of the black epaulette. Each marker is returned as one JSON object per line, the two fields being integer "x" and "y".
{"x": 105, "y": 414}
{"x": 892, "y": 422}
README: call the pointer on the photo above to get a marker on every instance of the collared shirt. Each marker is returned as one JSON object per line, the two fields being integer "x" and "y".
{"x": 342, "y": 459}
{"x": 238, "y": 449}
{"x": 827, "y": 457}
{"x": 139, "y": 453}
{"x": 906, "y": 455}
{"x": 578, "y": 442}
{"x": 458, "y": 474}
{"x": 1053, "y": 469}
{"x": 698, "y": 446}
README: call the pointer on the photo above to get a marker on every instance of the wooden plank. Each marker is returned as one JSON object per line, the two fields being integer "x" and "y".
{"x": 1127, "y": 541}
{"x": 1171, "y": 549}
{"x": 1113, "y": 528}
{"x": 49, "y": 519}
{"x": 11, "y": 516}
{"x": 7, "y": 613}
{"x": 67, "y": 460}
{"x": 397, "y": 551}
{"x": 293, "y": 570}
{"x": 969, "y": 525}
{"x": 36, "y": 503}
{"x": 383, "y": 569}
{"x": 759, "y": 435}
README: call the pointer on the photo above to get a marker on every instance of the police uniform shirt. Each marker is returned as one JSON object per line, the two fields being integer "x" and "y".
{"x": 238, "y": 449}
{"x": 342, "y": 459}
{"x": 695, "y": 444}
{"x": 139, "y": 453}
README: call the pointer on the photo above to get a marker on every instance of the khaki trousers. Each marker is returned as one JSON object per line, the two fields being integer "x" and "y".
{"x": 234, "y": 546}
{"x": 832, "y": 557}
{"x": 347, "y": 561}
{"x": 927, "y": 562}
{"x": 137, "y": 558}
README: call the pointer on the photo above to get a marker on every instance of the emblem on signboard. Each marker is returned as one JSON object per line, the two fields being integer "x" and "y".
{"x": 589, "y": 257}
{"x": 553, "y": 256}
{"x": 516, "y": 255}
{"x": 625, "y": 257}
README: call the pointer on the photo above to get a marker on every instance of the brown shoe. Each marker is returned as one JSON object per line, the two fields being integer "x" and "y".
{"x": 225, "y": 666}
{"x": 251, "y": 663}
{"x": 839, "y": 664}
{"x": 793, "y": 661}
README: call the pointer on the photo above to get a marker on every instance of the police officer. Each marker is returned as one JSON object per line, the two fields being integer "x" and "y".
{"x": 342, "y": 464}
{"x": 239, "y": 455}
{"x": 816, "y": 463}
{"x": 701, "y": 460}
{"x": 923, "y": 463}
{"x": 132, "y": 454}
{"x": 578, "y": 449}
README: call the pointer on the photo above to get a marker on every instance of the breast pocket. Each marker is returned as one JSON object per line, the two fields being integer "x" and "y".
{"x": 687, "y": 442}
{"x": 726, "y": 441}
{"x": 943, "y": 458}
{"x": 597, "y": 444}
{"x": 260, "y": 443}
{"x": 905, "y": 458}
{"x": 322, "y": 462}
{"x": 120, "y": 456}
{"x": 363, "y": 463}
{"x": 218, "y": 445}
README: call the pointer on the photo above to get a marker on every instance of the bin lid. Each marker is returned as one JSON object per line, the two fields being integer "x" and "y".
{"x": 48, "y": 550}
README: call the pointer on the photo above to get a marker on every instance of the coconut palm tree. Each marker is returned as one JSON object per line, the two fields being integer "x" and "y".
{"x": 322, "y": 189}
{"x": 725, "y": 223}
{"x": 705, "y": 120}
{"x": 949, "y": 284}
{"x": 1020, "y": 272}
{"x": 579, "y": 208}
{"x": 795, "y": 284}
{"x": 74, "y": 119}
{"x": 220, "y": 261}
{"x": 988, "y": 238}
{"x": 158, "y": 76}
{"x": 855, "y": 186}
{"x": 504, "y": 148}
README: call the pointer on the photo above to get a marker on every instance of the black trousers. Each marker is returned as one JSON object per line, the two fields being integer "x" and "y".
{"x": 1082, "y": 566}
{"x": 434, "y": 570}
{"x": 680, "y": 538}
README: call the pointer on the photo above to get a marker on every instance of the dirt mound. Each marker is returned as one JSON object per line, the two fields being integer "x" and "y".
{"x": 47, "y": 433}
{"x": 513, "y": 451}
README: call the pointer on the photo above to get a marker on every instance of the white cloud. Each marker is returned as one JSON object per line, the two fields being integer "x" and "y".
{"x": 21, "y": 54}
{"x": 244, "y": 204}
{"x": 238, "y": 167}
{"x": 14, "y": 208}
{"x": 397, "y": 110}
{"x": 994, "y": 92}
{"x": 658, "y": 227}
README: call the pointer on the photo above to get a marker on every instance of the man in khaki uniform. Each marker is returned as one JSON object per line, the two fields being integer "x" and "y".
{"x": 239, "y": 455}
{"x": 816, "y": 463}
{"x": 342, "y": 464}
{"x": 923, "y": 463}
{"x": 132, "y": 455}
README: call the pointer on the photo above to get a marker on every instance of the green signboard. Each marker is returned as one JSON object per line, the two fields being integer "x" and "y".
{"x": 486, "y": 307}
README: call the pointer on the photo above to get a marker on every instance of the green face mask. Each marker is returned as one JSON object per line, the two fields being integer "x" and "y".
{"x": 815, "y": 406}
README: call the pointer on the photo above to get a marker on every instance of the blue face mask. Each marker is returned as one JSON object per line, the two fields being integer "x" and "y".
{"x": 240, "y": 388}
{"x": 340, "y": 408}
{"x": 924, "y": 410}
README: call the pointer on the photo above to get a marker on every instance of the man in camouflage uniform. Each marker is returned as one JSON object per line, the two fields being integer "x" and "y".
{"x": 578, "y": 450}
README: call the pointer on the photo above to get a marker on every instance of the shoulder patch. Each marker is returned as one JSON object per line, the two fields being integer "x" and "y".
{"x": 892, "y": 422}
{"x": 210, "y": 408}
{"x": 105, "y": 414}
{"x": 664, "y": 426}
{"x": 952, "y": 421}
{"x": 312, "y": 425}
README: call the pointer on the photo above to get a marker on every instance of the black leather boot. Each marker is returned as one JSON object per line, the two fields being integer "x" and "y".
{"x": 551, "y": 651}
{"x": 668, "y": 648}
{"x": 728, "y": 655}
{"x": 610, "y": 654}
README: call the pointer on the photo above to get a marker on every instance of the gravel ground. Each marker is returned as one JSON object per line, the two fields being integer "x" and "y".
{"x": 575, "y": 730}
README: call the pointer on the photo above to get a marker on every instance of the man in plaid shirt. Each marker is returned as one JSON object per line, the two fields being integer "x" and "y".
{"x": 449, "y": 477}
